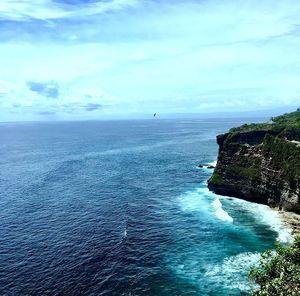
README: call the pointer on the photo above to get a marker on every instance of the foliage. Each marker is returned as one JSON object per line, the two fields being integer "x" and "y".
{"x": 292, "y": 118}
{"x": 277, "y": 124}
{"x": 285, "y": 155}
{"x": 251, "y": 127}
{"x": 244, "y": 172}
{"x": 279, "y": 271}
{"x": 216, "y": 179}
{"x": 247, "y": 172}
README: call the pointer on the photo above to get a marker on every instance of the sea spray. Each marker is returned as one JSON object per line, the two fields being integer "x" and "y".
{"x": 202, "y": 200}
{"x": 219, "y": 211}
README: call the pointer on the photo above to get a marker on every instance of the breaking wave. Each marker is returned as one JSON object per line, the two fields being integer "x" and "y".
{"x": 219, "y": 211}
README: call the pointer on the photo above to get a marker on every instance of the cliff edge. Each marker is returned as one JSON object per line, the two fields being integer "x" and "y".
{"x": 261, "y": 163}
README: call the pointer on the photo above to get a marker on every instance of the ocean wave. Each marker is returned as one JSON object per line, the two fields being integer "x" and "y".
{"x": 261, "y": 213}
{"x": 231, "y": 271}
{"x": 193, "y": 200}
{"x": 264, "y": 214}
{"x": 272, "y": 218}
{"x": 201, "y": 199}
{"x": 220, "y": 212}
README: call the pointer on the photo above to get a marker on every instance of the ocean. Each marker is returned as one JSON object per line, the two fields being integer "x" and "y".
{"x": 121, "y": 208}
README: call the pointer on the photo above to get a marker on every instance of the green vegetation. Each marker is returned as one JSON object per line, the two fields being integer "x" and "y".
{"x": 292, "y": 118}
{"x": 278, "y": 273}
{"x": 216, "y": 179}
{"x": 286, "y": 156}
{"x": 273, "y": 148}
{"x": 276, "y": 125}
{"x": 251, "y": 127}
{"x": 247, "y": 172}
{"x": 280, "y": 139}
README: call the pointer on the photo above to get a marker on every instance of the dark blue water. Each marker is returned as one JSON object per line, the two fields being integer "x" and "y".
{"x": 120, "y": 208}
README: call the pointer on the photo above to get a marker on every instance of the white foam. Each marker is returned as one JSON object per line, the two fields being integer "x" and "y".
{"x": 193, "y": 200}
{"x": 268, "y": 216}
{"x": 209, "y": 164}
{"x": 272, "y": 218}
{"x": 231, "y": 270}
{"x": 235, "y": 264}
{"x": 213, "y": 163}
{"x": 220, "y": 212}
{"x": 203, "y": 200}
{"x": 125, "y": 232}
{"x": 262, "y": 213}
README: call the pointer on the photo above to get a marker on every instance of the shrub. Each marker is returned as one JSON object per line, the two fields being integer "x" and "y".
{"x": 285, "y": 156}
{"x": 277, "y": 124}
{"x": 278, "y": 273}
{"x": 216, "y": 179}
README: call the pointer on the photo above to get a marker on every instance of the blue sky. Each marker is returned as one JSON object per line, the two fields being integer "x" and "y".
{"x": 75, "y": 59}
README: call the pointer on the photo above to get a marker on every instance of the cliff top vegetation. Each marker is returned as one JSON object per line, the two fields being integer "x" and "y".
{"x": 279, "y": 271}
{"x": 276, "y": 124}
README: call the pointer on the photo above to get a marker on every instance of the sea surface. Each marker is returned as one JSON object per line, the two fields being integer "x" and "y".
{"x": 121, "y": 208}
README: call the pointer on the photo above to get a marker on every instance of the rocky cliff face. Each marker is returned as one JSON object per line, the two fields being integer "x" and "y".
{"x": 260, "y": 163}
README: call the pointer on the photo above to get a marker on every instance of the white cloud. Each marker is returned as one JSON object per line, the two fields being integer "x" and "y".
{"x": 163, "y": 56}
{"x": 51, "y": 10}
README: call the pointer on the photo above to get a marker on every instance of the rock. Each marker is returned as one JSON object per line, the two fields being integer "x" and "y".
{"x": 260, "y": 164}
{"x": 210, "y": 167}
{"x": 200, "y": 166}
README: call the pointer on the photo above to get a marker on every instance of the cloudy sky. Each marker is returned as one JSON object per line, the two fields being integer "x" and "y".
{"x": 91, "y": 59}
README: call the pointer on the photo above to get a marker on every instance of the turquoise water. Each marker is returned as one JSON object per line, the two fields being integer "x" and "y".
{"x": 120, "y": 208}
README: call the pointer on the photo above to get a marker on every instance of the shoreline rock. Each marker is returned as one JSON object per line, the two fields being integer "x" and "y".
{"x": 261, "y": 163}
{"x": 291, "y": 220}
{"x": 206, "y": 166}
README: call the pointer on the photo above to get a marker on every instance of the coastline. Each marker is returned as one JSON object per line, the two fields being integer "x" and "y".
{"x": 261, "y": 163}
{"x": 291, "y": 221}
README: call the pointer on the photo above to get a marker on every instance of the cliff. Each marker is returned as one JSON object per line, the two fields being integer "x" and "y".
{"x": 261, "y": 163}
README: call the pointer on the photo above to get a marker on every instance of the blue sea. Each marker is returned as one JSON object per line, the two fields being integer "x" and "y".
{"x": 121, "y": 208}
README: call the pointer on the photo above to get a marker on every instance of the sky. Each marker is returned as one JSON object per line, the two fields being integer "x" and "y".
{"x": 76, "y": 59}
